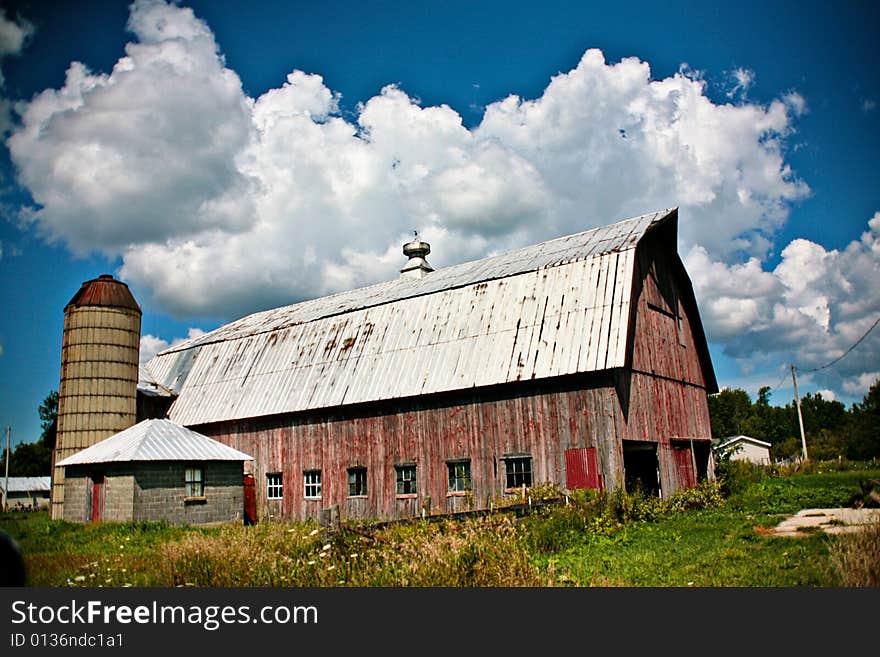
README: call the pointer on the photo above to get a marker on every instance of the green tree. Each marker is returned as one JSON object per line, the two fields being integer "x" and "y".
{"x": 728, "y": 410}
{"x": 863, "y": 427}
{"x": 48, "y": 412}
{"x": 35, "y": 459}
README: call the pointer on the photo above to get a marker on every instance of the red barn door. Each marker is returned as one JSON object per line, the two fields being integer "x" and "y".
{"x": 582, "y": 468}
{"x": 250, "y": 500}
{"x": 684, "y": 464}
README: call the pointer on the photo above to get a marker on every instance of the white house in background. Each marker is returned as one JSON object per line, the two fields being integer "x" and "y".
{"x": 746, "y": 448}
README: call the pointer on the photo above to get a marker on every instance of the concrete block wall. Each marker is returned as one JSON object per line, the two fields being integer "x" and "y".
{"x": 76, "y": 502}
{"x": 160, "y": 493}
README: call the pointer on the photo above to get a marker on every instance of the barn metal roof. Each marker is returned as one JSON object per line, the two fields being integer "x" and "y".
{"x": 27, "y": 484}
{"x": 155, "y": 440}
{"x": 555, "y": 308}
{"x": 147, "y": 383}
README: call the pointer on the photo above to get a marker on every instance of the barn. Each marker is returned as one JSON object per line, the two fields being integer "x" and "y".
{"x": 579, "y": 362}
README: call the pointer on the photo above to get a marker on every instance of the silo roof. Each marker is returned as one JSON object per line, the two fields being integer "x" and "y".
{"x": 104, "y": 291}
{"x": 155, "y": 440}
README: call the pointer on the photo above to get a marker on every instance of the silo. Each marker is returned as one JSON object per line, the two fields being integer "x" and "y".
{"x": 97, "y": 395}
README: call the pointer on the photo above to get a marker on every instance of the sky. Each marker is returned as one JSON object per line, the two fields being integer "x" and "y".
{"x": 227, "y": 157}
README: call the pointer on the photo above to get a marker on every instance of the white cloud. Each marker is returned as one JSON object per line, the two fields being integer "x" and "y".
{"x": 741, "y": 80}
{"x": 145, "y": 153}
{"x": 809, "y": 310}
{"x": 869, "y": 105}
{"x": 220, "y": 204}
{"x": 13, "y": 38}
{"x": 152, "y": 345}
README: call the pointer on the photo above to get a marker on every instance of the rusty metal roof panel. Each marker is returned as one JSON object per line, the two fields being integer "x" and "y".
{"x": 104, "y": 291}
{"x": 538, "y": 320}
{"x": 155, "y": 440}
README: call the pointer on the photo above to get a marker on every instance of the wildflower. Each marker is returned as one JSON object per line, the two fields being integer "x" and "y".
{"x": 354, "y": 555}
{"x": 313, "y": 532}
{"x": 79, "y": 578}
{"x": 312, "y": 562}
{"x": 326, "y": 547}
{"x": 330, "y": 567}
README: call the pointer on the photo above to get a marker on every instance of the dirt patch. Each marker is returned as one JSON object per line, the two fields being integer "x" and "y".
{"x": 830, "y": 521}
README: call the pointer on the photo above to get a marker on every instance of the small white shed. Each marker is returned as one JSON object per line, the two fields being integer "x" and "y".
{"x": 746, "y": 448}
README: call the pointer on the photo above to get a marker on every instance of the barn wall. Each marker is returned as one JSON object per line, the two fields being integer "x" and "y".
{"x": 482, "y": 427}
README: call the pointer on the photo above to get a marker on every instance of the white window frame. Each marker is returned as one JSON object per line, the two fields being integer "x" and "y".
{"x": 194, "y": 481}
{"x": 274, "y": 486}
{"x": 312, "y": 484}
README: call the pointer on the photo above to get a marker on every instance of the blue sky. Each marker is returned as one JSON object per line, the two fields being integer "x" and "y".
{"x": 240, "y": 156}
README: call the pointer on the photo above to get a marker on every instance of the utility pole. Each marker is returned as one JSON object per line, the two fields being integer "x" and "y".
{"x": 6, "y": 484}
{"x": 797, "y": 403}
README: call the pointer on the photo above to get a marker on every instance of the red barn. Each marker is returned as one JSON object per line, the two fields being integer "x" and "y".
{"x": 580, "y": 361}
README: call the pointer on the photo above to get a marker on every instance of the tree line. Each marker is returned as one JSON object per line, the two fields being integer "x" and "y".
{"x": 831, "y": 429}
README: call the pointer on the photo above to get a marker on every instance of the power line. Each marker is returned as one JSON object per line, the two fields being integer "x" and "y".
{"x": 839, "y": 358}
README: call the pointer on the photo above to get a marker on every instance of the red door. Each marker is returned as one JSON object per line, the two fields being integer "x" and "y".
{"x": 97, "y": 501}
{"x": 684, "y": 465}
{"x": 250, "y": 500}
{"x": 582, "y": 468}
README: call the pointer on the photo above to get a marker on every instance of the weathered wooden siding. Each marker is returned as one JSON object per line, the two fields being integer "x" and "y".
{"x": 483, "y": 427}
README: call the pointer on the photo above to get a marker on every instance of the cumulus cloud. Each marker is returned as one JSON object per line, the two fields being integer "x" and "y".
{"x": 809, "y": 310}
{"x": 152, "y": 345}
{"x": 220, "y": 204}
{"x": 145, "y": 153}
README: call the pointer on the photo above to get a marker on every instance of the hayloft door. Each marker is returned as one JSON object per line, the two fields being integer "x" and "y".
{"x": 97, "y": 497}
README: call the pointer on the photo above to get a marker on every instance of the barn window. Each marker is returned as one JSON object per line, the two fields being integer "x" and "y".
{"x": 194, "y": 480}
{"x": 406, "y": 479}
{"x": 274, "y": 487}
{"x": 357, "y": 482}
{"x": 459, "y": 476}
{"x": 519, "y": 471}
{"x": 312, "y": 484}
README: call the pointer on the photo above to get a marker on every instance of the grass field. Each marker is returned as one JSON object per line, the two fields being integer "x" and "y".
{"x": 706, "y": 537}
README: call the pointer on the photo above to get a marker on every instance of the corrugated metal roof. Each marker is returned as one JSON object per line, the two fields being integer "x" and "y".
{"x": 155, "y": 440}
{"x": 148, "y": 384}
{"x": 27, "y": 484}
{"x": 555, "y": 308}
